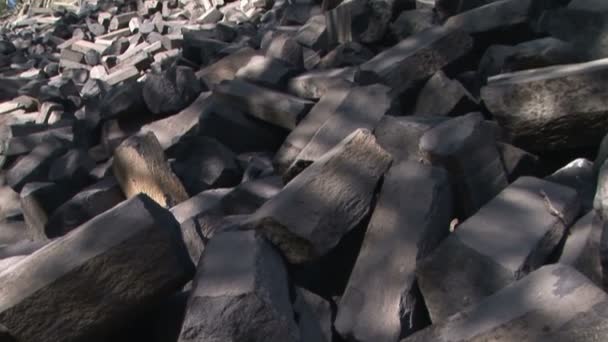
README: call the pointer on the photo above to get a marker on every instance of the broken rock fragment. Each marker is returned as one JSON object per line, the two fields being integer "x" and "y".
{"x": 171, "y": 91}
{"x": 237, "y": 299}
{"x": 530, "y": 217}
{"x": 140, "y": 166}
{"x": 333, "y": 195}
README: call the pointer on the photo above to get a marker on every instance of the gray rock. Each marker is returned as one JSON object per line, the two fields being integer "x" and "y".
{"x": 359, "y": 20}
{"x": 21, "y": 248}
{"x": 84, "y": 206}
{"x": 363, "y": 107}
{"x": 518, "y": 162}
{"x": 592, "y": 5}
{"x": 543, "y": 109}
{"x": 578, "y": 174}
{"x": 418, "y": 57}
{"x": 34, "y": 166}
{"x": 565, "y": 306}
{"x": 38, "y": 201}
{"x": 467, "y": 149}
{"x": 225, "y": 68}
{"x": 314, "y": 84}
{"x": 13, "y": 231}
{"x": 286, "y": 49}
{"x": 27, "y": 137}
{"x": 411, "y": 217}
{"x": 333, "y": 196}
{"x": 299, "y": 138}
{"x": 412, "y": 22}
{"x": 140, "y": 165}
{"x": 313, "y": 34}
{"x": 346, "y": 55}
{"x": 447, "y": 8}
{"x": 496, "y": 15}
{"x": 583, "y": 248}
{"x": 172, "y": 91}
{"x": 443, "y": 96}
{"x": 508, "y": 238}
{"x": 134, "y": 246}
{"x": 72, "y": 168}
{"x": 204, "y": 163}
{"x": 170, "y": 130}
{"x": 199, "y": 204}
{"x": 400, "y": 136}
{"x": 276, "y": 108}
{"x": 10, "y": 206}
{"x": 269, "y": 72}
{"x": 237, "y": 299}
{"x": 314, "y": 316}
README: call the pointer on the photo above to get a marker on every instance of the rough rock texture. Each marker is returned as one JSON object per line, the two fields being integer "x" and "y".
{"x": 238, "y": 299}
{"x": 333, "y": 194}
{"x": 131, "y": 255}
{"x": 140, "y": 166}
{"x": 411, "y": 217}
{"x": 530, "y": 217}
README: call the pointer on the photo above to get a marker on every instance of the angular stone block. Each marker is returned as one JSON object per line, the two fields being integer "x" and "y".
{"x": 412, "y": 22}
{"x": 508, "y": 238}
{"x": 244, "y": 298}
{"x": 554, "y": 303}
{"x": 579, "y": 175}
{"x": 84, "y": 206}
{"x": 443, "y": 96}
{"x": 313, "y": 34}
{"x": 34, "y": 166}
{"x": 225, "y": 68}
{"x": 265, "y": 71}
{"x": 545, "y": 109}
{"x": 72, "y": 169}
{"x": 38, "y": 201}
{"x": 199, "y": 204}
{"x": 315, "y": 84}
{"x": 411, "y": 218}
{"x": 467, "y": 149}
{"x": 500, "y": 14}
{"x": 276, "y": 108}
{"x": 362, "y": 108}
{"x": 131, "y": 256}
{"x": 327, "y": 200}
{"x": 315, "y": 316}
{"x": 419, "y": 56}
{"x": 518, "y": 162}
{"x": 140, "y": 166}
{"x": 172, "y": 91}
{"x": 286, "y": 49}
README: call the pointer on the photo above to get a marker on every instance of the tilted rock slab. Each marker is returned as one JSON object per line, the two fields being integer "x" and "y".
{"x": 86, "y": 284}
{"x": 508, "y": 238}
{"x": 328, "y": 199}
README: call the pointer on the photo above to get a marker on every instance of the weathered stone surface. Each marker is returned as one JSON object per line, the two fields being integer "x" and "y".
{"x": 35, "y": 165}
{"x": 170, "y": 130}
{"x": 313, "y": 34}
{"x": 400, "y": 136}
{"x": 554, "y": 303}
{"x": 583, "y": 248}
{"x": 419, "y": 56}
{"x": 265, "y": 71}
{"x": 336, "y": 194}
{"x": 314, "y": 316}
{"x": 346, "y": 55}
{"x": 532, "y": 54}
{"x": 297, "y": 139}
{"x": 171, "y": 91}
{"x": 447, "y": 8}
{"x": 72, "y": 168}
{"x": 21, "y": 248}
{"x": 140, "y": 166}
{"x": 518, "y": 162}
{"x": 204, "y": 163}
{"x": 411, "y": 217}
{"x": 412, "y": 22}
{"x": 286, "y": 49}
{"x": 443, "y": 96}
{"x": 13, "y": 231}
{"x": 10, "y": 207}
{"x": 578, "y": 174}
{"x": 467, "y": 149}
{"x": 24, "y": 138}
{"x": 314, "y": 84}
{"x": 600, "y": 201}
{"x": 38, "y": 201}
{"x": 54, "y": 293}
{"x": 199, "y": 204}
{"x": 593, "y": 5}
{"x": 84, "y": 206}
{"x": 359, "y": 20}
{"x": 566, "y": 100}
{"x": 276, "y": 108}
{"x": 363, "y": 107}
{"x": 500, "y": 14}
{"x": 225, "y": 68}
{"x": 508, "y": 238}
{"x": 244, "y": 298}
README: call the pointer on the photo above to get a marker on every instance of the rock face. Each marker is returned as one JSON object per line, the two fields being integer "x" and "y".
{"x": 467, "y": 149}
{"x": 549, "y": 119}
{"x": 237, "y": 299}
{"x": 379, "y": 301}
{"x": 53, "y": 294}
{"x": 530, "y": 216}
{"x": 337, "y": 196}
{"x": 140, "y": 166}
{"x": 555, "y": 313}
{"x": 419, "y": 56}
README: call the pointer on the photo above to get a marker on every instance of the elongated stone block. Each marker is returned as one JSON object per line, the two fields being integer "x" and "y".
{"x": 411, "y": 217}
{"x": 508, "y": 238}
{"x": 86, "y": 284}
{"x": 327, "y": 200}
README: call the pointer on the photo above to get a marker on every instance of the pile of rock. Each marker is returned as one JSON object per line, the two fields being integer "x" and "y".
{"x": 291, "y": 170}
